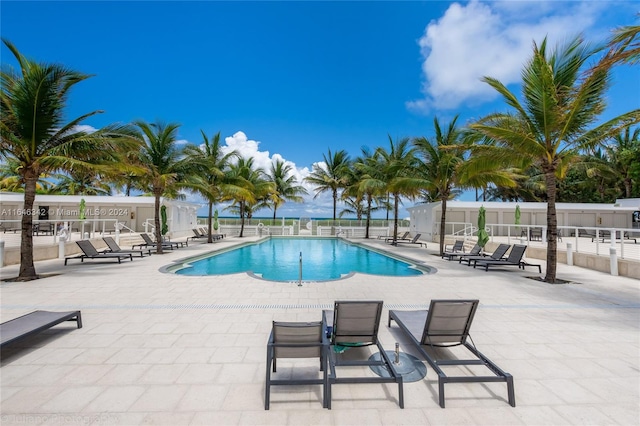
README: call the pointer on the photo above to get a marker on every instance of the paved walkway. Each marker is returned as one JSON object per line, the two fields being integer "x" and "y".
{"x": 163, "y": 349}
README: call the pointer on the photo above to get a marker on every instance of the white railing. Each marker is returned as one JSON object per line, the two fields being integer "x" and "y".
{"x": 149, "y": 226}
{"x": 122, "y": 225}
{"x": 65, "y": 230}
{"x": 578, "y": 239}
{"x": 466, "y": 231}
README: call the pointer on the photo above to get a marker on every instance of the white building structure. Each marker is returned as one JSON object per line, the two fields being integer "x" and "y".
{"x": 102, "y": 213}
{"x": 425, "y": 218}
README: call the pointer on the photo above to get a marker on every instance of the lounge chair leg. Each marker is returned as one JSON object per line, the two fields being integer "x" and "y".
{"x": 511, "y": 391}
{"x": 441, "y": 392}
{"x": 401, "y": 393}
{"x": 267, "y": 383}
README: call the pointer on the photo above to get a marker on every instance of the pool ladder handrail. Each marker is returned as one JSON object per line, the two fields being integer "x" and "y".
{"x": 300, "y": 272}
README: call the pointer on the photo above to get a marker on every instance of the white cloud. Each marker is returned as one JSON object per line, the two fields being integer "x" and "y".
{"x": 84, "y": 128}
{"x": 248, "y": 148}
{"x": 476, "y": 39}
{"x": 314, "y": 207}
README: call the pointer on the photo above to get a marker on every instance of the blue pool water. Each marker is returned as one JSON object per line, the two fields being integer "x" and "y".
{"x": 278, "y": 259}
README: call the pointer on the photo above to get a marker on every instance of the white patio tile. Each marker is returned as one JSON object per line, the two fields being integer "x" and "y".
{"x": 161, "y": 349}
{"x": 72, "y": 399}
{"x": 160, "y": 399}
{"x": 203, "y": 398}
{"x": 115, "y": 399}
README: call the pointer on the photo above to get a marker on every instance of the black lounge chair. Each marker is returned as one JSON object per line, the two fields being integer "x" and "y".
{"x": 496, "y": 255}
{"x": 196, "y": 235}
{"x": 475, "y": 251}
{"x": 166, "y": 240}
{"x": 90, "y": 252}
{"x": 355, "y": 324}
{"x": 446, "y": 324}
{"x": 215, "y": 237}
{"x": 34, "y": 322}
{"x": 456, "y": 249}
{"x": 148, "y": 242}
{"x": 514, "y": 259}
{"x": 115, "y": 248}
{"x": 297, "y": 340}
{"x": 535, "y": 265}
{"x": 413, "y": 241}
{"x": 404, "y": 237}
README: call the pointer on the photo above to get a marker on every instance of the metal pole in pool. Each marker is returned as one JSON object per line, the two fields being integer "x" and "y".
{"x": 300, "y": 273}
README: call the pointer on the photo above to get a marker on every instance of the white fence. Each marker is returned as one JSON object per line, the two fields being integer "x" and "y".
{"x": 592, "y": 240}
{"x": 60, "y": 230}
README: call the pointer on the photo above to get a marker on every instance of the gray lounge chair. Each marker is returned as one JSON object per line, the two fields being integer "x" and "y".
{"x": 404, "y": 237}
{"x": 456, "y": 249}
{"x": 215, "y": 237}
{"x": 445, "y": 324}
{"x": 148, "y": 242}
{"x": 90, "y": 252}
{"x": 514, "y": 259}
{"x": 498, "y": 254}
{"x": 196, "y": 234}
{"x": 115, "y": 248}
{"x": 413, "y": 241}
{"x": 475, "y": 251}
{"x": 34, "y": 322}
{"x": 199, "y": 234}
{"x": 297, "y": 340}
{"x": 355, "y": 324}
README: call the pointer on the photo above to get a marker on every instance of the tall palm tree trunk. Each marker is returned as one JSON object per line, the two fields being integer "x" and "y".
{"x": 443, "y": 224}
{"x": 27, "y": 268}
{"x": 335, "y": 205}
{"x": 396, "y": 201}
{"x": 552, "y": 226}
{"x": 210, "y": 224}
{"x": 627, "y": 187}
{"x": 156, "y": 221}
{"x": 368, "y": 222}
{"x": 241, "y": 219}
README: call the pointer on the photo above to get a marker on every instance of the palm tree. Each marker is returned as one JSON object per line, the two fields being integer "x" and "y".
{"x": 602, "y": 176}
{"x": 82, "y": 182}
{"x": 10, "y": 180}
{"x": 440, "y": 162}
{"x": 331, "y": 175}
{"x": 160, "y": 157}
{"x": 34, "y": 134}
{"x": 624, "y": 155}
{"x": 625, "y": 45}
{"x": 443, "y": 165}
{"x": 286, "y": 185}
{"x": 251, "y": 187}
{"x": 551, "y": 125}
{"x": 368, "y": 182}
{"x": 398, "y": 167}
{"x": 210, "y": 167}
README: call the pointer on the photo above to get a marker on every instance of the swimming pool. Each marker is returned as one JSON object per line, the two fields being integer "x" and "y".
{"x": 278, "y": 259}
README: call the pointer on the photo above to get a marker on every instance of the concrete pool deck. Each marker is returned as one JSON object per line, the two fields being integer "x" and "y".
{"x": 163, "y": 349}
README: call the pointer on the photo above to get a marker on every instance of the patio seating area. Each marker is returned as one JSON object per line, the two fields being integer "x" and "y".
{"x": 156, "y": 348}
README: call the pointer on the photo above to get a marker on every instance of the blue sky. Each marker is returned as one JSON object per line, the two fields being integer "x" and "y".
{"x": 294, "y": 79}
